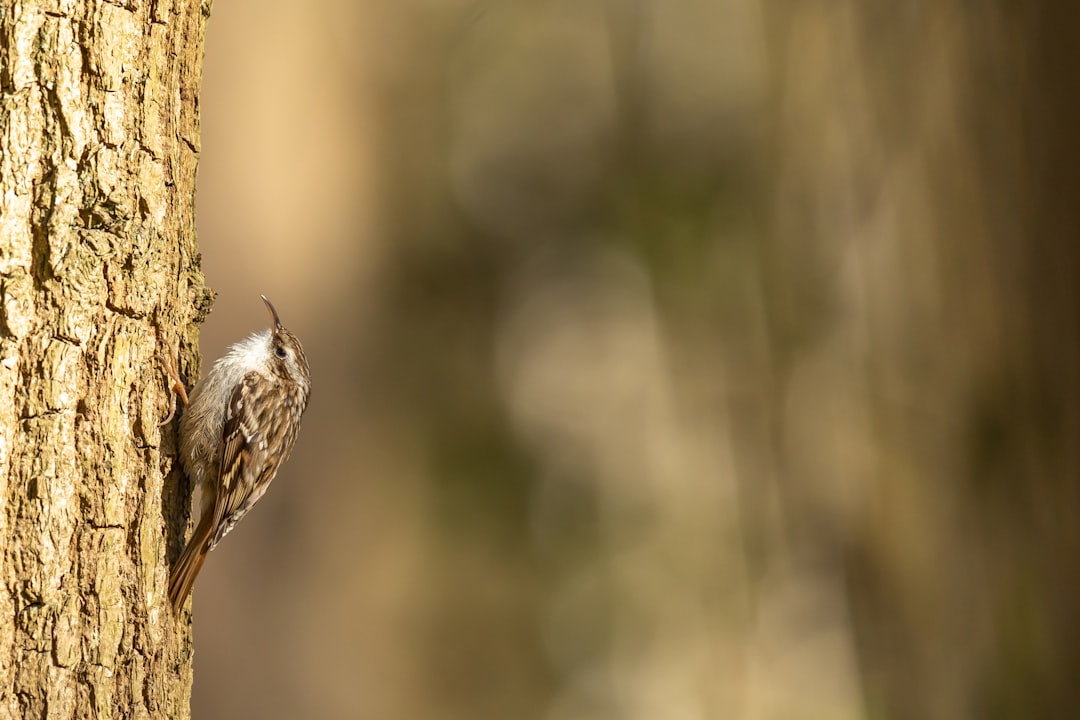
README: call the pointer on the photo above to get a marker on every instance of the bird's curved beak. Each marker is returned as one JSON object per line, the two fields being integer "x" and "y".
{"x": 273, "y": 313}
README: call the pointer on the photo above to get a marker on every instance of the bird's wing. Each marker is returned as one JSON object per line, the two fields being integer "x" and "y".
{"x": 244, "y": 456}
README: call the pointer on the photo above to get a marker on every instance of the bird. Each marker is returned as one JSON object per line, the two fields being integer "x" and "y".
{"x": 239, "y": 426}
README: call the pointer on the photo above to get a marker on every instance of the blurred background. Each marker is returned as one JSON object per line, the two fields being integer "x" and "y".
{"x": 672, "y": 360}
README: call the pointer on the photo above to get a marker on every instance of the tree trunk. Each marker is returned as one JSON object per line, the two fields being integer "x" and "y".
{"x": 99, "y": 138}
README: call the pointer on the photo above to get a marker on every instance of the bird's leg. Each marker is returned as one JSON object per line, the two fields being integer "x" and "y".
{"x": 177, "y": 386}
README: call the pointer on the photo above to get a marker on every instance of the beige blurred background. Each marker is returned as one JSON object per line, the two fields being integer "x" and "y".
{"x": 675, "y": 360}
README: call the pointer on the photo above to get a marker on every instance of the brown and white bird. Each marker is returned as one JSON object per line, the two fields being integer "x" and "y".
{"x": 239, "y": 427}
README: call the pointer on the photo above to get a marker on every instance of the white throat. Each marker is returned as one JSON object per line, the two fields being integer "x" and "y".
{"x": 252, "y": 352}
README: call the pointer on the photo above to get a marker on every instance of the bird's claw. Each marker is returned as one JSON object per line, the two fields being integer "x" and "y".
{"x": 177, "y": 386}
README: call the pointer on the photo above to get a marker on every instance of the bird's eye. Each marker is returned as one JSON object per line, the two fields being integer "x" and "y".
{"x": 280, "y": 352}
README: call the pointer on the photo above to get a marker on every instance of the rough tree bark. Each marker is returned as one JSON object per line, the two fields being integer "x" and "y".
{"x": 99, "y": 139}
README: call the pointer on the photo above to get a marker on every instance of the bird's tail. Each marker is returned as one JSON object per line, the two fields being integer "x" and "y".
{"x": 191, "y": 561}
